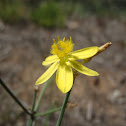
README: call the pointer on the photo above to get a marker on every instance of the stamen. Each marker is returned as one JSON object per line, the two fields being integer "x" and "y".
{"x": 54, "y": 41}
{"x": 70, "y": 38}
{"x": 58, "y": 38}
{"x": 64, "y": 39}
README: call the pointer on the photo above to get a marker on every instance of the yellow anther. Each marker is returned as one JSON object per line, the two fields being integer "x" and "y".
{"x": 58, "y": 38}
{"x": 64, "y": 39}
{"x": 54, "y": 41}
{"x": 70, "y": 38}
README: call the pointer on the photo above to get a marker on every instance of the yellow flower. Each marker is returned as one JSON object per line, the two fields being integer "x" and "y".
{"x": 62, "y": 59}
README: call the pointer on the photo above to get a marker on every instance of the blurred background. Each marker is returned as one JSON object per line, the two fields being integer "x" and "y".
{"x": 27, "y": 28}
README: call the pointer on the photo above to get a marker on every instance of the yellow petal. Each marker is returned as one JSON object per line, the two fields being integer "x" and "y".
{"x": 50, "y": 71}
{"x": 50, "y": 59}
{"x": 84, "y": 53}
{"x": 82, "y": 69}
{"x": 64, "y": 78}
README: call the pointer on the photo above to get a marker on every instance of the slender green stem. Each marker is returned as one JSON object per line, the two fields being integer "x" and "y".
{"x": 48, "y": 112}
{"x": 63, "y": 108}
{"x": 14, "y": 97}
{"x": 42, "y": 92}
{"x": 34, "y": 99}
{"x": 31, "y": 119}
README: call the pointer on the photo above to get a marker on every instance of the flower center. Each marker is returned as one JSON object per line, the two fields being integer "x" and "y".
{"x": 62, "y": 49}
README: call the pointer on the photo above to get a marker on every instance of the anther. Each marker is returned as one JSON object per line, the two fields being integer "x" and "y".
{"x": 64, "y": 39}
{"x": 54, "y": 41}
{"x": 70, "y": 38}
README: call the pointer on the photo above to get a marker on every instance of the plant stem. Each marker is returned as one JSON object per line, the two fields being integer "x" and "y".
{"x": 48, "y": 112}
{"x": 14, "y": 97}
{"x": 42, "y": 92}
{"x": 34, "y": 99}
{"x": 31, "y": 119}
{"x": 63, "y": 107}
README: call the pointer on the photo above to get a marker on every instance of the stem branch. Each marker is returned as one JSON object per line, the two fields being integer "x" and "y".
{"x": 48, "y": 112}
{"x": 14, "y": 97}
{"x": 31, "y": 118}
{"x": 34, "y": 99}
